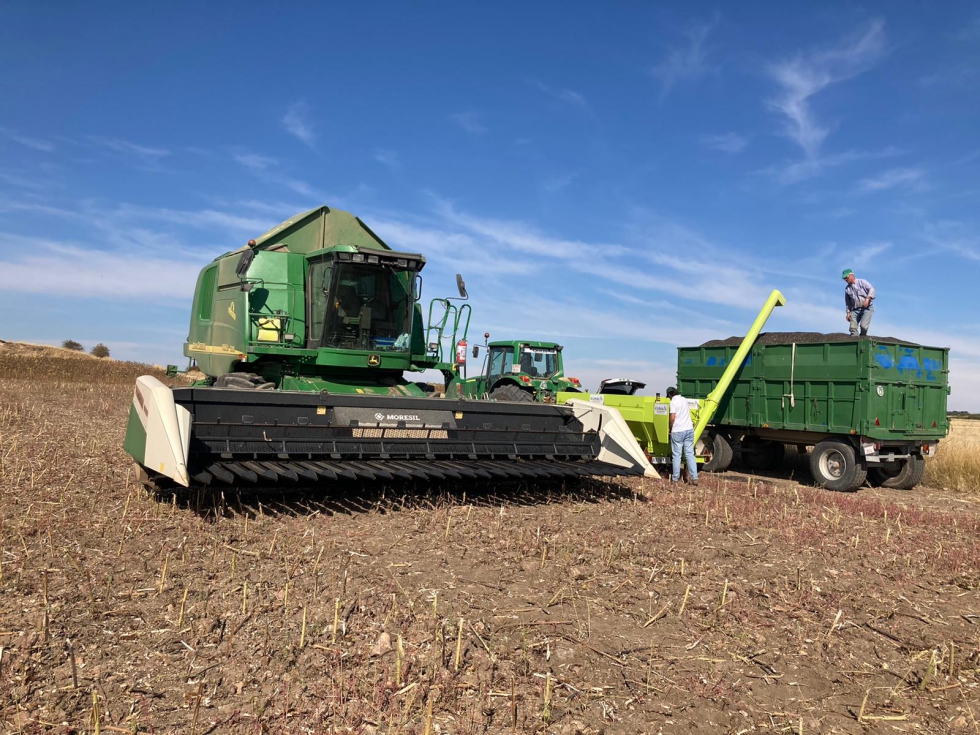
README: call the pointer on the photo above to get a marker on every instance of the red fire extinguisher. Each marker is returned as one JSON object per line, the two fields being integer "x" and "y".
{"x": 461, "y": 352}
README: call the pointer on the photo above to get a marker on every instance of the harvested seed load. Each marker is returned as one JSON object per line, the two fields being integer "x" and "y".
{"x": 787, "y": 338}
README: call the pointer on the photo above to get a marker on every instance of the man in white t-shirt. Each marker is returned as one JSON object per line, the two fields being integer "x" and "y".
{"x": 681, "y": 437}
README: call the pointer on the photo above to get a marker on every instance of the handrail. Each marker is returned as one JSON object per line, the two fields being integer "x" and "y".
{"x": 714, "y": 397}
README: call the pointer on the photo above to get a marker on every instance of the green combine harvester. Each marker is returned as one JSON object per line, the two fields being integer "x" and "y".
{"x": 305, "y": 336}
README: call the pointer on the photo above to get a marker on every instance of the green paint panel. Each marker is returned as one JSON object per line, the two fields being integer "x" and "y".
{"x": 135, "y": 441}
{"x": 877, "y": 389}
{"x": 648, "y": 418}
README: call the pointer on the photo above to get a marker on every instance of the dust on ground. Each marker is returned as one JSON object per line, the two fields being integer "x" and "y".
{"x": 748, "y": 604}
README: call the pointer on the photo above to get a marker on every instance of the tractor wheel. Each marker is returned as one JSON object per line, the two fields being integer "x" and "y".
{"x": 762, "y": 456}
{"x": 510, "y": 392}
{"x": 833, "y": 464}
{"x": 903, "y": 475}
{"x": 716, "y": 450}
{"x": 243, "y": 381}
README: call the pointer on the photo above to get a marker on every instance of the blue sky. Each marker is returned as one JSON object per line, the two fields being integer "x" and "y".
{"x": 619, "y": 178}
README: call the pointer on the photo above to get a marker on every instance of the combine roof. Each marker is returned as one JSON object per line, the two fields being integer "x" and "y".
{"x": 319, "y": 228}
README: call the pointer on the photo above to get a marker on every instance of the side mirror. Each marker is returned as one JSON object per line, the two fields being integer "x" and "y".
{"x": 461, "y": 285}
{"x": 244, "y": 262}
{"x": 476, "y": 350}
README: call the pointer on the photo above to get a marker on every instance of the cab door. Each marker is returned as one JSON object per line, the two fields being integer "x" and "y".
{"x": 501, "y": 363}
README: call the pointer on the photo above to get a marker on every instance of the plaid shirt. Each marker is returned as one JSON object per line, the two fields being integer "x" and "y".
{"x": 856, "y": 293}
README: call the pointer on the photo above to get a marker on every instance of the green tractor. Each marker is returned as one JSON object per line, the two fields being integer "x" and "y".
{"x": 520, "y": 371}
{"x": 305, "y": 336}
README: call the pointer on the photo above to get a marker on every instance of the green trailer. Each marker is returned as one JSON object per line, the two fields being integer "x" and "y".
{"x": 871, "y": 408}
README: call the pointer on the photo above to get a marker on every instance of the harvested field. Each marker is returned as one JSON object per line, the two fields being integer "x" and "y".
{"x": 744, "y": 605}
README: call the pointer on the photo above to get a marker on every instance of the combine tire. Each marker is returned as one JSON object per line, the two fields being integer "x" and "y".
{"x": 511, "y": 392}
{"x": 901, "y": 475}
{"x": 243, "y": 381}
{"x": 833, "y": 464}
{"x": 716, "y": 450}
{"x": 762, "y": 456}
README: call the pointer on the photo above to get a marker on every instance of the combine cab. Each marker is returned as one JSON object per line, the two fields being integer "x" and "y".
{"x": 304, "y": 337}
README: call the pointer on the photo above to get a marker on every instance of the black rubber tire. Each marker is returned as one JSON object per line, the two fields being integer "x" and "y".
{"x": 763, "y": 456}
{"x": 906, "y": 477}
{"x": 510, "y": 392}
{"x": 834, "y": 465}
{"x": 243, "y": 381}
{"x": 717, "y": 451}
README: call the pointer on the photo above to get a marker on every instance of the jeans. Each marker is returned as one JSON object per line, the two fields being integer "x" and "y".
{"x": 861, "y": 317}
{"x": 683, "y": 441}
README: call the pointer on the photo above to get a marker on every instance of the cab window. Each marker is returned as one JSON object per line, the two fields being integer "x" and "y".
{"x": 501, "y": 362}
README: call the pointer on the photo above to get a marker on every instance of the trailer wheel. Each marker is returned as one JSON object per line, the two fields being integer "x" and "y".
{"x": 833, "y": 464}
{"x": 510, "y": 392}
{"x": 763, "y": 455}
{"x": 716, "y": 450}
{"x": 901, "y": 475}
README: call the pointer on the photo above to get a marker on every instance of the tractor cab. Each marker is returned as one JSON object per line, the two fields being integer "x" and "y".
{"x": 520, "y": 370}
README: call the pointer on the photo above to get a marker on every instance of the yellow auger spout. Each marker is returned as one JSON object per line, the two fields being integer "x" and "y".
{"x": 714, "y": 397}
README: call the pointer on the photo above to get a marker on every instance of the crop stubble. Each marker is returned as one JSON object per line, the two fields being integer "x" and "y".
{"x": 739, "y": 606}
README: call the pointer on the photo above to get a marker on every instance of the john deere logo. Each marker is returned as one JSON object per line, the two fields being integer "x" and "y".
{"x": 374, "y": 360}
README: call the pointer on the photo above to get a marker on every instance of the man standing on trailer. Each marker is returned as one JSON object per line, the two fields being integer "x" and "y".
{"x": 681, "y": 437}
{"x": 859, "y": 300}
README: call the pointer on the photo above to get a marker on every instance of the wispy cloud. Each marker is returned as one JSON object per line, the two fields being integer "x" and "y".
{"x": 22, "y": 180}
{"x": 554, "y": 184}
{"x": 388, "y": 158}
{"x": 725, "y": 142}
{"x": 865, "y": 254}
{"x": 685, "y": 62}
{"x": 296, "y": 121}
{"x": 255, "y": 161}
{"x": 806, "y": 75}
{"x": 807, "y": 168}
{"x": 970, "y": 32}
{"x": 522, "y": 237}
{"x": 35, "y": 143}
{"x": 72, "y": 270}
{"x": 964, "y": 76}
{"x": 471, "y": 122}
{"x": 564, "y": 95}
{"x": 128, "y": 148}
{"x": 891, "y": 179}
{"x": 454, "y": 250}
{"x": 953, "y": 237}
{"x": 201, "y": 218}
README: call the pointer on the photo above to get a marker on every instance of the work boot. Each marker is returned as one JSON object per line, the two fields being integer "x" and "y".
{"x": 694, "y": 482}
